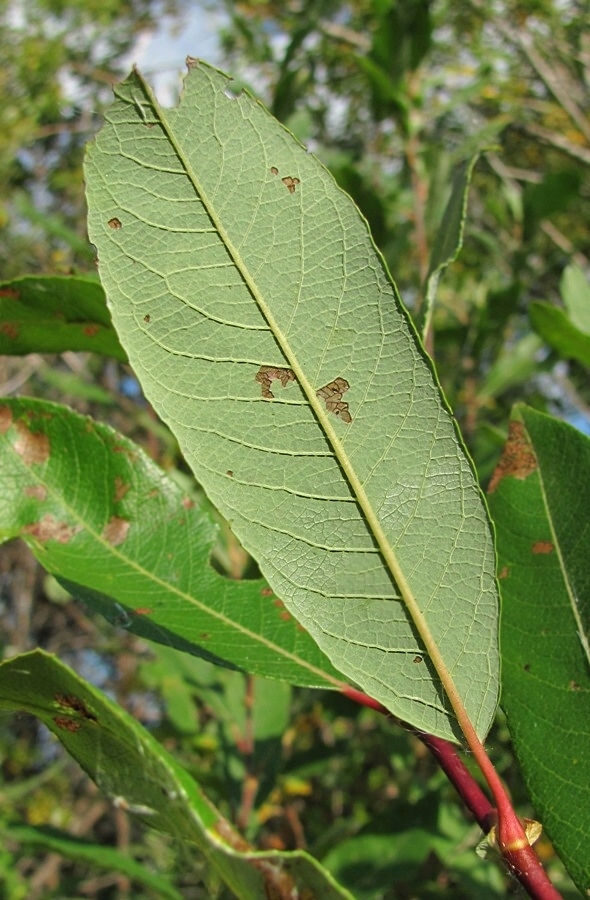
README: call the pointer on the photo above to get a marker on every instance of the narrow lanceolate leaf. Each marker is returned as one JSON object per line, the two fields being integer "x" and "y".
{"x": 119, "y": 534}
{"x": 540, "y": 498}
{"x": 51, "y": 314}
{"x": 142, "y": 778}
{"x": 258, "y": 316}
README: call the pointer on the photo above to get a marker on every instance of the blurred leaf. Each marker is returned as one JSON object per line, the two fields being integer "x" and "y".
{"x": 98, "y": 855}
{"x": 258, "y": 272}
{"x": 557, "y": 329}
{"x": 540, "y": 502}
{"x": 144, "y": 779}
{"x": 117, "y": 533}
{"x": 512, "y": 367}
{"x": 51, "y": 314}
{"x": 575, "y": 290}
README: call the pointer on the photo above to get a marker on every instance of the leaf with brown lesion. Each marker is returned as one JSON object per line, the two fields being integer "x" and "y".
{"x": 266, "y": 375}
{"x": 332, "y": 394}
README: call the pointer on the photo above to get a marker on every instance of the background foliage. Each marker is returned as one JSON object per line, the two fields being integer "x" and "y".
{"x": 391, "y": 96}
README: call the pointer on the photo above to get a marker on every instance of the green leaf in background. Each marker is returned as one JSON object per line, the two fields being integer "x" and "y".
{"x": 107, "y": 522}
{"x": 266, "y": 333}
{"x": 540, "y": 502}
{"x": 449, "y": 238}
{"x": 567, "y": 331}
{"x": 95, "y": 854}
{"x": 52, "y": 314}
{"x": 139, "y": 776}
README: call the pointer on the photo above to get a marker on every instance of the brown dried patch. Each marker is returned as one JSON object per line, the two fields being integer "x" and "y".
{"x": 48, "y": 529}
{"x": 285, "y": 616}
{"x": 332, "y": 394}
{"x": 417, "y": 659}
{"x": 5, "y": 419}
{"x": 266, "y": 592}
{"x": 543, "y": 547}
{"x": 274, "y": 170}
{"x": 67, "y": 724}
{"x": 517, "y": 460}
{"x": 188, "y": 503}
{"x": 266, "y": 375}
{"x": 290, "y": 183}
{"x": 121, "y": 488}
{"x": 91, "y": 330}
{"x": 10, "y": 293}
{"x": 143, "y": 611}
{"x": 147, "y": 318}
{"x": 504, "y": 572}
{"x": 114, "y": 223}
{"x": 574, "y": 686}
{"x": 32, "y": 446}
{"x": 115, "y": 531}
{"x": 10, "y": 330}
{"x": 229, "y": 473}
{"x": 70, "y": 701}
{"x": 36, "y": 491}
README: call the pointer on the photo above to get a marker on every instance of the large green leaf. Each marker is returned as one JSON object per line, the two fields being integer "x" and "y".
{"x": 119, "y": 534}
{"x": 540, "y": 500}
{"x": 225, "y": 248}
{"x": 140, "y": 776}
{"x": 50, "y": 314}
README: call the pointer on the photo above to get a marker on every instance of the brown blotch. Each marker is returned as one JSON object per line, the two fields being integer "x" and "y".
{"x": 574, "y": 686}
{"x": 114, "y": 223}
{"x": 115, "y": 531}
{"x": 417, "y": 659}
{"x": 32, "y": 446}
{"x": 67, "y": 724}
{"x": 543, "y": 547}
{"x": 290, "y": 183}
{"x": 70, "y": 701}
{"x": 266, "y": 592}
{"x": 204, "y": 636}
{"x": 143, "y": 611}
{"x": 10, "y": 330}
{"x": 5, "y": 419}
{"x": 48, "y": 529}
{"x": 188, "y": 503}
{"x": 517, "y": 460}
{"x": 91, "y": 330}
{"x": 504, "y": 572}
{"x": 332, "y": 394}
{"x": 285, "y": 616}
{"x": 274, "y": 170}
{"x": 36, "y": 491}
{"x": 229, "y": 473}
{"x": 121, "y": 488}
{"x": 147, "y": 318}
{"x": 10, "y": 293}
{"x": 266, "y": 375}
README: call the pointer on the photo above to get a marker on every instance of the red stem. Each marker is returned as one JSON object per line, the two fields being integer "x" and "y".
{"x": 520, "y": 857}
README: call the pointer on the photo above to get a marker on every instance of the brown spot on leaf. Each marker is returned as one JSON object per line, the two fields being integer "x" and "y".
{"x": 188, "y": 503}
{"x": 70, "y": 701}
{"x": 574, "y": 686}
{"x": 290, "y": 183}
{"x": 285, "y": 616}
{"x": 5, "y": 419}
{"x": 274, "y": 170}
{"x": 114, "y": 223}
{"x": 67, "y": 724}
{"x": 36, "y": 491}
{"x": 121, "y": 488}
{"x": 10, "y": 330}
{"x": 332, "y": 394}
{"x": 229, "y": 473}
{"x": 517, "y": 460}
{"x": 143, "y": 611}
{"x": 543, "y": 547}
{"x": 32, "y": 446}
{"x": 204, "y": 636}
{"x": 147, "y": 318}
{"x": 504, "y": 572}
{"x": 10, "y": 293}
{"x": 91, "y": 330}
{"x": 266, "y": 592}
{"x": 48, "y": 529}
{"x": 417, "y": 659}
{"x": 115, "y": 531}
{"x": 527, "y": 667}
{"x": 266, "y": 375}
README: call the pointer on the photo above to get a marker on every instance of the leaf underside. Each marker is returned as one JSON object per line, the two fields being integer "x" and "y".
{"x": 227, "y": 251}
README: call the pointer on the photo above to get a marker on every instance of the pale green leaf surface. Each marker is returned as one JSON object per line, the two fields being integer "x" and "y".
{"x": 214, "y": 268}
{"x": 120, "y": 535}
{"x": 141, "y": 777}
{"x": 575, "y": 290}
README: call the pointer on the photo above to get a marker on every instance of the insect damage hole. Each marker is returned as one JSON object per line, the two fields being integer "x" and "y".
{"x": 290, "y": 183}
{"x": 114, "y": 223}
{"x": 266, "y": 375}
{"x": 332, "y": 395}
